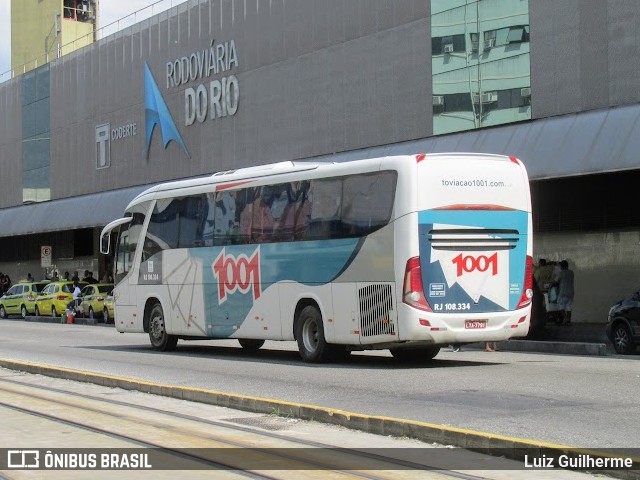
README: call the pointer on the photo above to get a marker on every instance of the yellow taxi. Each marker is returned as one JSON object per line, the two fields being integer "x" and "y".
{"x": 21, "y": 299}
{"x": 94, "y": 301}
{"x": 109, "y": 304}
{"x": 54, "y": 298}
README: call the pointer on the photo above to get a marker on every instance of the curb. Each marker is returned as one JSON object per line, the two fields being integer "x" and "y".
{"x": 562, "y": 348}
{"x": 511, "y": 447}
{"x": 42, "y": 319}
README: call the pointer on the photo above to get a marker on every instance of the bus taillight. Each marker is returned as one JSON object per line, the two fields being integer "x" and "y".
{"x": 412, "y": 292}
{"x": 527, "y": 291}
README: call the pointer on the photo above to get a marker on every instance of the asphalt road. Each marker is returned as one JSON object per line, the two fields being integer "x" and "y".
{"x": 571, "y": 400}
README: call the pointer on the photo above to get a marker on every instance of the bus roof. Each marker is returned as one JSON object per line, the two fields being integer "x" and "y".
{"x": 258, "y": 171}
{"x": 287, "y": 167}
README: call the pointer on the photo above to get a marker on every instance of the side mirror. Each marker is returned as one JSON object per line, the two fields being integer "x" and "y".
{"x": 105, "y": 243}
{"x": 105, "y": 234}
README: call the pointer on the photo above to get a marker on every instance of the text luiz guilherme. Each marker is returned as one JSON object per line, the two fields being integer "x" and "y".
{"x": 576, "y": 461}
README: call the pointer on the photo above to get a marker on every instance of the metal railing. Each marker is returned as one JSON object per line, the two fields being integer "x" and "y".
{"x": 102, "y": 32}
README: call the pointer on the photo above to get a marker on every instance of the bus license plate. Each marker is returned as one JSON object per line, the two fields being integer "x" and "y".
{"x": 475, "y": 324}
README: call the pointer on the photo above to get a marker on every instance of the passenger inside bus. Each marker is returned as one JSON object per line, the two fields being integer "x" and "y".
{"x": 297, "y": 213}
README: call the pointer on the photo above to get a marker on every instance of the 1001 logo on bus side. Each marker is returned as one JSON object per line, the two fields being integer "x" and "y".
{"x": 241, "y": 273}
{"x": 481, "y": 263}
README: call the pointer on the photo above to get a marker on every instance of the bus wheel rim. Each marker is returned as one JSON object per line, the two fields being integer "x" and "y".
{"x": 310, "y": 335}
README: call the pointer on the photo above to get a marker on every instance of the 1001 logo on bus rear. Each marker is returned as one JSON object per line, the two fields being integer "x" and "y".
{"x": 241, "y": 273}
{"x": 481, "y": 263}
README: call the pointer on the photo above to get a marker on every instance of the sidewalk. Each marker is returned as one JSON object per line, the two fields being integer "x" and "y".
{"x": 574, "y": 339}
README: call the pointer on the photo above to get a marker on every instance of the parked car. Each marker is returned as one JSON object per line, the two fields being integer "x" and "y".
{"x": 54, "y": 298}
{"x": 21, "y": 299}
{"x": 623, "y": 325}
{"x": 94, "y": 301}
{"x": 109, "y": 303}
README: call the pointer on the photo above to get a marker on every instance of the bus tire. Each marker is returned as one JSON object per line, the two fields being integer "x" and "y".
{"x": 250, "y": 345}
{"x": 312, "y": 345}
{"x": 160, "y": 339}
{"x": 415, "y": 355}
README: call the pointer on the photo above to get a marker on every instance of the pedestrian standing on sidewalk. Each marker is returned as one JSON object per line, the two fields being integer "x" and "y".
{"x": 490, "y": 346}
{"x": 77, "y": 299}
{"x": 565, "y": 291}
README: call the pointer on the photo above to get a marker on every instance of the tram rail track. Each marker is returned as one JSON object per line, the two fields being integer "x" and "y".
{"x": 202, "y": 441}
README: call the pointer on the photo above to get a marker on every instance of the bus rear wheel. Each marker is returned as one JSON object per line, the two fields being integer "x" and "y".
{"x": 250, "y": 345}
{"x": 160, "y": 339}
{"x": 309, "y": 332}
{"x": 415, "y": 355}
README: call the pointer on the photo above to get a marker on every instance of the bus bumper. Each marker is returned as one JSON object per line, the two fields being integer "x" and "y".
{"x": 445, "y": 329}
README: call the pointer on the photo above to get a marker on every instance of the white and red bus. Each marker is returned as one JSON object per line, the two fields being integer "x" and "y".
{"x": 406, "y": 253}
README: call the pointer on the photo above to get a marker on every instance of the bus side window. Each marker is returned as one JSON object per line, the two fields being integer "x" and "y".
{"x": 326, "y": 202}
{"x": 192, "y": 217}
{"x": 208, "y": 220}
{"x": 245, "y": 206}
{"x": 295, "y": 217}
{"x": 262, "y": 219}
{"x": 367, "y": 202}
{"x": 224, "y": 217}
{"x": 163, "y": 226}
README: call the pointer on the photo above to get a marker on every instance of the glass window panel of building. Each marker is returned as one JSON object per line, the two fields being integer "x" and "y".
{"x": 36, "y": 181}
{"x": 480, "y": 63}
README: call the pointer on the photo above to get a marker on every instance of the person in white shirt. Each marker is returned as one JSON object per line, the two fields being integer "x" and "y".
{"x": 77, "y": 299}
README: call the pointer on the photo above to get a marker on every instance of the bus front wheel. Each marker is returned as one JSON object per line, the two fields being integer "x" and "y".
{"x": 160, "y": 339}
{"x": 312, "y": 346}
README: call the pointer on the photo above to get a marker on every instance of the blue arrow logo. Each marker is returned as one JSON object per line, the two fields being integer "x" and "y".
{"x": 157, "y": 113}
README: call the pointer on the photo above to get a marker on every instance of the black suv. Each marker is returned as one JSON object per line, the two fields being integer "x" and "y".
{"x": 623, "y": 325}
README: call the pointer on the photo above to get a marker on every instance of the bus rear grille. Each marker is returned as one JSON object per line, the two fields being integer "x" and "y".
{"x": 376, "y": 310}
{"x": 473, "y": 239}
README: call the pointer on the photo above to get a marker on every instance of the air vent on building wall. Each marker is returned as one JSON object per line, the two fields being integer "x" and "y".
{"x": 525, "y": 92}
{"x": 489, "y": 44}
{"x": 487, "y": 97}
{"x": 448, "y": 48}
{"x": 438, "y": 100}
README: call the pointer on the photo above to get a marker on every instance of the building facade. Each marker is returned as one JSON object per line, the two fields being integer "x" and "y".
{"x": 215, "y": 85}
{"x": 43, "y": 30}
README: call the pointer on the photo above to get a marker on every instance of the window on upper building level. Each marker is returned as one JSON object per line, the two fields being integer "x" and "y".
{"x": 79, "y": 10}
{"x": 448, "y": 44}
